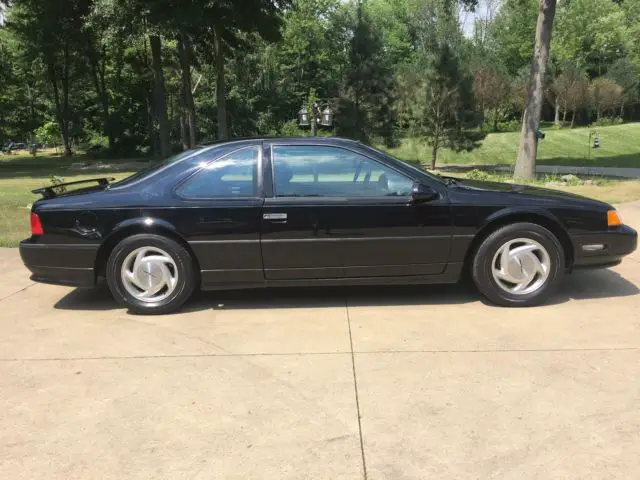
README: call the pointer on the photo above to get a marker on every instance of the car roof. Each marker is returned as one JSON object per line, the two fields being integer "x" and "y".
{"x": 314, "y": 140}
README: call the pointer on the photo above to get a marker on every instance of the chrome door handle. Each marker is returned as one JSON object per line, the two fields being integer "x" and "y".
{"x": 277, "y": 217}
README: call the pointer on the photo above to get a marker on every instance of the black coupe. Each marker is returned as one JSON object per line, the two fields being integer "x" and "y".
{"x": 311, "y": 211}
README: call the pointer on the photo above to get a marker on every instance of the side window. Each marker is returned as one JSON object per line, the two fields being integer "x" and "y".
{"x": 318, "y": 171}
{"x": 234, "y": 175}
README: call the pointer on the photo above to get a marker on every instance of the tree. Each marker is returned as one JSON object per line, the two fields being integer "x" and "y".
{"x": 52, "y": 33}
{"x": 440, "y": 104}
{"x": 627, "y": 75}
{"x": 605, "y": 95}
{"x": 570, "y": 88}
{"x": 366, "y": 105}
{"x": 148, "y": 77}
{"x": 526, "y": 162}
{"x": 491, "y": 88}
{"x": 188, "y": 113}
{"x": 144, "y": 19}
{"x": 48, "y": 133}
{"x": 590, "y": 34}
{"x": 313, "y": 53}
{"x": 513, "y": 33}
{"x": 228, "y": 18}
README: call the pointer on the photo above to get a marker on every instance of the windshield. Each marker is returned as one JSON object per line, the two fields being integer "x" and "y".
{"x": 152, "y": 168}
{"x": 412, "y": 166}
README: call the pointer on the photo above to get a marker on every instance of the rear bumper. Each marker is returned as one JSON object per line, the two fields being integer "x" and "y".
{"x": 604, "y": 249}
{"x": 60, "y": 264}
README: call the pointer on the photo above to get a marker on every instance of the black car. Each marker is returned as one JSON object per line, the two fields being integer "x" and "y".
{"x": 310, "y": 211}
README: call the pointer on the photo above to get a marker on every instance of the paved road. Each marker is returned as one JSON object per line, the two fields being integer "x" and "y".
{"x": 622, "y": 172}
{"x": 415, "y": 382}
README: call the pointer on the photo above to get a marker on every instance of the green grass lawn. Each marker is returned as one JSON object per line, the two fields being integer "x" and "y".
{"x": 46, "y": 164}
{"x": 15, "y": 203}
{"x": 619, "y": 147}
{"x": 21, "y": 173}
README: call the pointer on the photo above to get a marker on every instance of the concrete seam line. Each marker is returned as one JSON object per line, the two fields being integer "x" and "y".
{"x": 355, "y": 386}
{"x": 16, "y": 292}
{"x": 522, "y": 350}
{"x": 302, "y": 354}
{"x": 169, "y": 357}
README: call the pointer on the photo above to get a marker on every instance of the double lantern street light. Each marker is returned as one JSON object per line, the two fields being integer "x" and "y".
{"x": 323, "y": 118}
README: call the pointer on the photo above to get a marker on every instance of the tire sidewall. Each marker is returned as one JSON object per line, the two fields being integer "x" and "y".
{"x": 483, "y": 261}
{"x": 184, "y": 266}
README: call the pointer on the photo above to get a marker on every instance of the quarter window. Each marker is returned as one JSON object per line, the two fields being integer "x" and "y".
{"x": 317, "y": 171}
{"x": 234, "y": 175}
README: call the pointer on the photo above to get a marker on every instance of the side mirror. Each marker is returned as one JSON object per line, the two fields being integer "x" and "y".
{"x": 422, "y": 193}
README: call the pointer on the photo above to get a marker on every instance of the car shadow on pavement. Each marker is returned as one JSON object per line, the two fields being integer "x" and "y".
{"x": 593, "y": 284}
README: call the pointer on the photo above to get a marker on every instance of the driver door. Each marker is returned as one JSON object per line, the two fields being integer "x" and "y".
{"x": 360, "y": 216}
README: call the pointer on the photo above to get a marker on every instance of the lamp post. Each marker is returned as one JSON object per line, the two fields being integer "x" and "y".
{"x": 596, "y": 142}
{"x": 318, "y": 116}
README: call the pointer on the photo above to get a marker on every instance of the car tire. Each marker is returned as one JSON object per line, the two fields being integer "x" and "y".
{"x": 151, "y": 274}
{"x": 518, "y": 265}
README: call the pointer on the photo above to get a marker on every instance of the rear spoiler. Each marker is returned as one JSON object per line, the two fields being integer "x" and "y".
{"x": 52, "y": 190}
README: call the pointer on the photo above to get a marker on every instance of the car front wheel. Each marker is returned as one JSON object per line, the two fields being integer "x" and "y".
{"x": 150, "y": 274}
{"x": 518, "y": 265}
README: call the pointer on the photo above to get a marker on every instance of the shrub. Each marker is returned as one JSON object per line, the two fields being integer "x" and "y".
{"x": 55, "y": 181}
{"x": 510, "y": 126}
{"x": 607, "y": 121}
{"x": 291, "y": 129}
{"x": 476, "y": 174}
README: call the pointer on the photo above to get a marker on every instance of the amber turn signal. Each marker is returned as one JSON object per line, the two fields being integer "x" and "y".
{"x": 613, "y": 219}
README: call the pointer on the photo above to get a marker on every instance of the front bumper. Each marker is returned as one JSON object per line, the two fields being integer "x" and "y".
{"x": 604, "y": 249}
{"x": 60, "y": 264}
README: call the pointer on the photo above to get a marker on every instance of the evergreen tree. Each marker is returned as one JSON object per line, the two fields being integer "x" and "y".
{"x": 441, "y": 105}
{"x": 366, "y": 107}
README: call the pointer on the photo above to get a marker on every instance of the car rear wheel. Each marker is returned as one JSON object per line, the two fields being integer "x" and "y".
{"x": 150, "y": 274}
{"x": 518, "y": 265}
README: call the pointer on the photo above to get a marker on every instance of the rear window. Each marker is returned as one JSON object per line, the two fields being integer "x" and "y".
{"x": 155, "y": 167}
{"x": 234, "y": 175}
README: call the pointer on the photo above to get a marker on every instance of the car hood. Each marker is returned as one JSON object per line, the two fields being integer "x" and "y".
{"x": 526, "y": 190}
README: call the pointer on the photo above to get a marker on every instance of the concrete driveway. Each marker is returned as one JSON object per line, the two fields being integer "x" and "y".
{"x": 385, "y": 383}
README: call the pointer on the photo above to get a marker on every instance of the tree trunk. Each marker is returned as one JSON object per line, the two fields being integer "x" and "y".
{"x": 221, "y": 93}
{"x": 598, "y": 114}
{"x": 621, "y": 111}
{"x": 526, "y": 162}
{"x": 61, "y": 115}
{"x": 184, "y": 137}
{"x": 434, "y": 152}
{"x": 573, "y": 118}
{"x": 151, "y": 132}
{"x": 556, "y": 118}
{"x": 564, "y": 112}
{"x": 495, "y": 120}
{"x": 191, "y": 105}
{"x": 160, "y": 101}
{"x": 65, "y": 99}
{"x": 98, "y": 77}
{"x": 185, "y": 52}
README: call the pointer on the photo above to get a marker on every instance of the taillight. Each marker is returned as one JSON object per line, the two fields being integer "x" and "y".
{"x": 36, "y": 225}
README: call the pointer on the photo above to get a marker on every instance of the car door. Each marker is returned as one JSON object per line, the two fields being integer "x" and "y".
{"x": 220, "y": 217}
{"x": 362, "y": 215}
{"x": 295, "y": 234}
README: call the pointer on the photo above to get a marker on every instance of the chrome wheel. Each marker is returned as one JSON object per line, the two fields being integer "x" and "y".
{"x": 521, "y": 266}
{"x": 149, "y": 274}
